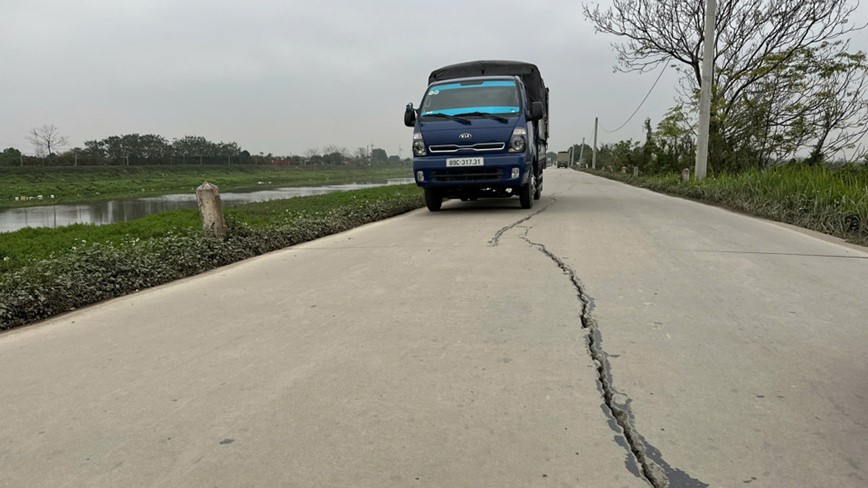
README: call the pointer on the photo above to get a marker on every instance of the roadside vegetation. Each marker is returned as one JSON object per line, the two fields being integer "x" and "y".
{"x": 789, "y": 107}
{"x": 832, "y": 201}
{"x": 786, "y": 86}
{"x": 45, "y": 272}
{"x": 24, "y": 185}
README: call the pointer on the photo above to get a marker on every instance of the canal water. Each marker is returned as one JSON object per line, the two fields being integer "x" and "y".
{"x": 113, "y": 211}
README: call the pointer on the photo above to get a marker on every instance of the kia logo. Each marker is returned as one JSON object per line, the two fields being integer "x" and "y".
{"x": 465, "y": 136}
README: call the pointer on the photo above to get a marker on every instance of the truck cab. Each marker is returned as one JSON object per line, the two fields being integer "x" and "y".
{"x": 480, "y": 132}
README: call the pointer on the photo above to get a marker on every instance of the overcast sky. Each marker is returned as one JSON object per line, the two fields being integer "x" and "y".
{"x": 291, "y": 75}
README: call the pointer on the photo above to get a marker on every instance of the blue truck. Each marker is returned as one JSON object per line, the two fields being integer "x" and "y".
{"x": 481, "y": 131}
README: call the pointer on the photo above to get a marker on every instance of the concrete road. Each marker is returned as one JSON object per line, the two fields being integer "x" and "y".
{"x": 608, "y": 337}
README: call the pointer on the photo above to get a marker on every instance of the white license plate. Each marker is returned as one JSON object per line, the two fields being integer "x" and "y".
{"x": 460, "y": 162}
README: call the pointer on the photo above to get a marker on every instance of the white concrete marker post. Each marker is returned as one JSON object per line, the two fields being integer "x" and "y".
{"x": 211, "y": 210}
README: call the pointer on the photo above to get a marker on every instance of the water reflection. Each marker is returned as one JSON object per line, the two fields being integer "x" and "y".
{"x": 113, "y": 211}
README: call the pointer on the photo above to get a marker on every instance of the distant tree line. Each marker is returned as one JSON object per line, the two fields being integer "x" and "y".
{"x": 669, "y": 148}
{"x": 151, "y": 149}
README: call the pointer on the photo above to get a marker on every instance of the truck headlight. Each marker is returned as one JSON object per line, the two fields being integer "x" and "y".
{"x": 418, "y": 145}
{"x": 518, "y": 141}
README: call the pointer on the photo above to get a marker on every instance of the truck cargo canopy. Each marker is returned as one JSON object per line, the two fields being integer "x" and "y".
{"x": 528, "y": 73}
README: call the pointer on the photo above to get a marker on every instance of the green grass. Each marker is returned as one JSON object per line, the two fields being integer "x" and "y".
{"x": 90, "y": 184}
{"x": 44, "y": 272}
{"x": 27, "y": 245}
{"x": 833, "y": 201}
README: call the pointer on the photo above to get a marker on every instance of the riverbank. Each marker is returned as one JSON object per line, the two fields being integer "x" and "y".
{"x": 45, "y": 272}
{"x": 832, "y": 201}
{"x": 32, "y": 186}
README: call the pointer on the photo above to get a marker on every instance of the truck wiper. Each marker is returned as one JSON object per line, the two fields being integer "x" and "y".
{"x": 485, "y": 114}
{"x": 450, "y": 117}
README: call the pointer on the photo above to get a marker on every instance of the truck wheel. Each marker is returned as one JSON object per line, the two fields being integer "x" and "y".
{"x": 433, "y": 200}
{"x": 538, "y": 192}
{"x": 526, "y": 192}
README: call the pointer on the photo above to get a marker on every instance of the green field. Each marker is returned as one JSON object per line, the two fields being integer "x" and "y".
{"x": 89, "y": 184}
{"x": 44, "y": 272}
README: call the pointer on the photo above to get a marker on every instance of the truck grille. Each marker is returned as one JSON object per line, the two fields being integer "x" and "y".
{"x": 482, "y": 146}
{"x": 467, "y": 174}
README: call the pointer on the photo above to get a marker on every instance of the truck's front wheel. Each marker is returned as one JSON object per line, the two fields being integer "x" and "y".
{"x": 433, "y": 199}
{"x": 527, "y": 191}
{"x": 539, "y": 185}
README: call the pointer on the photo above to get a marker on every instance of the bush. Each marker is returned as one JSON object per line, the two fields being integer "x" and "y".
{"x": 88, "y": 273}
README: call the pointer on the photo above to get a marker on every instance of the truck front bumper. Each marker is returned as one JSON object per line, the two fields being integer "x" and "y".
{"x": 497, "y": 171}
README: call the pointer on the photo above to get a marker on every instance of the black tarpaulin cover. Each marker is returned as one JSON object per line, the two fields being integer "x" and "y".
{"x": 528, "y": 73}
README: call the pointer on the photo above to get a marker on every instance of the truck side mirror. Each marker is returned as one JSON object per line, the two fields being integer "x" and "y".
{"x": 409, "y": 115}
{"x": 536, "y": 111}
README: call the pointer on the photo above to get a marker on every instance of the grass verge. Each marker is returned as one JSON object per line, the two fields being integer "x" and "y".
{"x": 45, "y": 272}
{"x": 832, "y": 201}
{"x": 98, "y": 183}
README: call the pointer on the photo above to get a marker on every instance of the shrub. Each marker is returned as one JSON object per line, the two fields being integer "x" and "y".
{"x": 88, "y": 273}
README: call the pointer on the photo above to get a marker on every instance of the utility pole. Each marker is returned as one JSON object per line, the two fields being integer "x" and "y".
{"x": 582, "y": 151}
{"x": 594, "y": 157}
{"x": 705, "y": 90}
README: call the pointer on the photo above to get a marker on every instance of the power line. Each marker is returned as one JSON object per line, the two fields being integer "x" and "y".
{"x": 641, "y": 103}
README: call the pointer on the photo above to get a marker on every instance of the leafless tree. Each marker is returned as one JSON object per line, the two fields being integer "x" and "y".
{"x": 757, "y": 41}
{"x": 46, "y": 139}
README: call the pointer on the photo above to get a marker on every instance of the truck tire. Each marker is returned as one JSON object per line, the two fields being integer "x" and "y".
{"x": 526, "y": 192}
{"x": 539, "y": 184}
{"x": 433, "y": 199}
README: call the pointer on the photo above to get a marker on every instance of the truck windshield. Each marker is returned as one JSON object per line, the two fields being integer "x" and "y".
{"x": 457, "y": 98}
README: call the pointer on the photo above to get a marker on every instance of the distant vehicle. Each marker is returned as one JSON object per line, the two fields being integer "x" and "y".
{"x": 563, "y": 159}
{"x": 481, "y": 131}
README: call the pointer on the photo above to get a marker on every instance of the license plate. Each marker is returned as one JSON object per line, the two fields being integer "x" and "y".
{"x": 461, "y": 162}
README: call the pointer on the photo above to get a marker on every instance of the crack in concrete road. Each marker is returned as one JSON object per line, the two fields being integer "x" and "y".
{"x": 653, "y": 468}
{"x": 651, "y": 471}
{"x": 496, "y": 239}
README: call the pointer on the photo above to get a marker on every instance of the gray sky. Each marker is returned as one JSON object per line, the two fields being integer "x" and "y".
{"x": 286, "y": 76}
